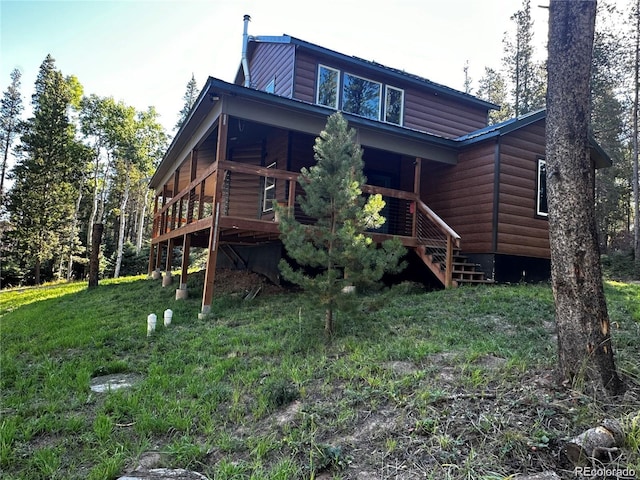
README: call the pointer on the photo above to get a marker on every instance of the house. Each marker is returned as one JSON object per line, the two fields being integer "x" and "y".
{"x": 468, "y": 200}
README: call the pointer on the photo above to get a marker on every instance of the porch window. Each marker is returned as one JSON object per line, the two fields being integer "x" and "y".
{"x": 393, "y": 105}
{"x": 541, "y": 196}
{"x": 269, "y": 194}
{"x": 361, "y": 96}
{"x": 328, "y": 80}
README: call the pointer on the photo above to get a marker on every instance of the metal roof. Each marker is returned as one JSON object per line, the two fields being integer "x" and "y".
{"x": 418, "y": 81}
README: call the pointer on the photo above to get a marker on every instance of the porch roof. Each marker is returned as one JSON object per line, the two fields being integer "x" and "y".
{"x": 218, "y": 96}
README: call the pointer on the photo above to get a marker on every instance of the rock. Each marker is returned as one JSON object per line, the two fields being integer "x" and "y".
{"x": 114, "y": 381}
{"x": 164, "y": 474}
{"x": 549, "y": 475}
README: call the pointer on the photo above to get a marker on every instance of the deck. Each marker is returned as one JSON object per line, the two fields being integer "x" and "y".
{"x": 222, "y": 206}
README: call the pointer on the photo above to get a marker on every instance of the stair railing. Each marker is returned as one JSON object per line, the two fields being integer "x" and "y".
{"x": 432, "y": 231}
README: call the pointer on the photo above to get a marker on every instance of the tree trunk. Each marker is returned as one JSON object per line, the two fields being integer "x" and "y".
{"x": 72, "y": 236}
{"x": 636, "y": 175}
{"x": 123, "y": 216}
{"x": 585, "y": 351}
{"x": 328, "y": 321}
{"x": 94, "y": 262}
{"x": 143, "y": 213}
{"x": 96, "y": 192}
{"x": 36, "y": 272}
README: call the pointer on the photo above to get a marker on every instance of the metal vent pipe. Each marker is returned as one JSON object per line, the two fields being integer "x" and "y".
{"x": 245, "y": 42}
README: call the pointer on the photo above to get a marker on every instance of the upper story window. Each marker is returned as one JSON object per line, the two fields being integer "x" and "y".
{"x": 393, "y": 105}
{"x": 541, "y": 194}
{"x": 328, "y": 81}
{"x": 361, "y": 96}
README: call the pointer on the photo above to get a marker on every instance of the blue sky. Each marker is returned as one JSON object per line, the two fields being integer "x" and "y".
{"x": 143, "y": 52}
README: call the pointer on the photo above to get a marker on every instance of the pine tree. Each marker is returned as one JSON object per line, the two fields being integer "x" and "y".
{"x": 46, "y": 176}
{"x": 189, "y": 98}
{"x": 336, "y": 245}
{"x": 492, "y": 88}
{"x": 10, "y": 111}
{"x": 527, "y": 77}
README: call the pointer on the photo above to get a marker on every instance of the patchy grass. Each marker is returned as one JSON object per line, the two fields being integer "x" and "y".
{"x": 451, "y": 384}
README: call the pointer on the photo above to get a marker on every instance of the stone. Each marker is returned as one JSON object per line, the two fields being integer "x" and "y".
{"x": 548, "y": 475}
{"x": 164, "y": 474}
{"x": 115, "y": 381}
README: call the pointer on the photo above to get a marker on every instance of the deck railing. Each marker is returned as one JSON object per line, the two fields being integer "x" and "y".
{"x": 191, "y": 209}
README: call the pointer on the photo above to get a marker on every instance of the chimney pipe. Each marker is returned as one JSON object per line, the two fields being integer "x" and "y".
{"x": 245, "y": 41}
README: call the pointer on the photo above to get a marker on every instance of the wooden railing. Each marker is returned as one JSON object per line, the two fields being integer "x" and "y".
{"x": 407, "y": 216}
{"x": 434, "y": 234}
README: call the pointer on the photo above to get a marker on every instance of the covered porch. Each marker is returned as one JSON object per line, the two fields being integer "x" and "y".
{"x": 235, "y": 157}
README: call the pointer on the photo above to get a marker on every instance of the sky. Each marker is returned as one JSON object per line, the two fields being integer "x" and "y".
{"x": 144, "y": 52}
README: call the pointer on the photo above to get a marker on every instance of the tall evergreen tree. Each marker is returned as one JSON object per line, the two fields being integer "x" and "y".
{"x": 45, "y": 177}
{"x": 189, "y": 98}
{"x": 492, "y": 88}
{"x": 613, "y": 188}
{"x": 10, "y": 110}
{"x": 336, "y": 244}
{"x": 526, "y": 76}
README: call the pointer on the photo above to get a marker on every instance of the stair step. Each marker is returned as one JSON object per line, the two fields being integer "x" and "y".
{"x": 463, "y": 270}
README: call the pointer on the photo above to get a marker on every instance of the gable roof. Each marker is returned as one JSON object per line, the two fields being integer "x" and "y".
{"x": 417, "y": 81}
{"x": 600, "y": 157}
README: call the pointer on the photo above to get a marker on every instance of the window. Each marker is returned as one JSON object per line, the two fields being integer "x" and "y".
{"x": 361, "y": 96}
{"x": 328, "y": 80}
{"x": 271, "y": 86}
{"x": 393, "y": 105}
{"x": 269, "y": 194}
{"x": 541, "y": 197}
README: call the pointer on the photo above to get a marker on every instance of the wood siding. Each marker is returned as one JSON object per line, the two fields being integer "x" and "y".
{"x": 463, "y": 197}
{"x": 441, "y": 115}
{"x": 273, "y": 60}
{"x": 425, "y": 110}
{"x": 305, "y": 73}
{"x": 520, "y": 231}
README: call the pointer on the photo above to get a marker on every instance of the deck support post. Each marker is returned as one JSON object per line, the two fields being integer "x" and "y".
{"x": 167, "y": 279}
{"x": 159, "y": 258}
{"x": 152, "y": 260}
{"x": 181, "y": 292}
{"x": 212, "y": 251}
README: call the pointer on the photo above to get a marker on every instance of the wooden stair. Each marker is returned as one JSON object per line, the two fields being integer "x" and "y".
{"x": 463, "y": 272}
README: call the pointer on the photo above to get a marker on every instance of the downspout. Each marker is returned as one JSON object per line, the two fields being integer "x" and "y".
{"x": 245, "y": 41}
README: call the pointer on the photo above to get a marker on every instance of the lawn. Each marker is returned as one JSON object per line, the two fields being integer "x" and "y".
{"x": 446, "y": 384}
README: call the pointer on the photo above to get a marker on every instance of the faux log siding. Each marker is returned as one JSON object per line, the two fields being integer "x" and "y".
{"x": 462, "y": 195}
{"x": 520, "y": 231}
{"x": 423, "y": 110}
{"x": 245, "y": 190}
{"x": 441, "y": 115}
{"x": 273, "y": 60}
{"x": 305, "y": 77}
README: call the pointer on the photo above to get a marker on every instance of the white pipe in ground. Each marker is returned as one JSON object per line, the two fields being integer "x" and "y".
{"x": 168, "y": 314}
{"x": 151, "y": 323}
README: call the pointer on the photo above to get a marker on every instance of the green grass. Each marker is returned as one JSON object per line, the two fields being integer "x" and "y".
{"x": 439, "y": 382}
